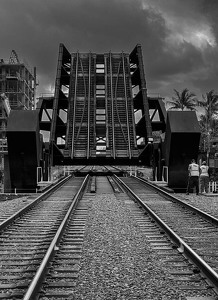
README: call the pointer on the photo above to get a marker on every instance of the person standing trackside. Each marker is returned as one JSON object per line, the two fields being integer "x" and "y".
{"x": 204, "y": 177}
{"x": 193, "y": 180}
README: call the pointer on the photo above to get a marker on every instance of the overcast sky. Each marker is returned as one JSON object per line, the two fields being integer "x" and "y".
{"x": 178, "y": 37}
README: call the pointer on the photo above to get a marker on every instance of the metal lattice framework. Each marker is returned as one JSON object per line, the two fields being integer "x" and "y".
{"x": 93, "y": 109}
{"x": 100, "y": 114}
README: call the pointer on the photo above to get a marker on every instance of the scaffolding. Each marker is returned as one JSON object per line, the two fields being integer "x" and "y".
{"x": 17, "y": 82}
{"x": 17, "y": 92}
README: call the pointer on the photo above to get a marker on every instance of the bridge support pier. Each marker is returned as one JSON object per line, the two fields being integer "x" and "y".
{"x": 181, "y": 144}
{"x": 24, "y": 149}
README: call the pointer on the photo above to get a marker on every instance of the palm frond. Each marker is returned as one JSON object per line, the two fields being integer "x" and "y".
{"x": 183, "y": 100}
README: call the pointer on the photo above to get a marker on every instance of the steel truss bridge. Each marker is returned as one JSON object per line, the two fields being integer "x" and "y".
{"x": 100, "y": 114}
{"x": 93, "y": 109}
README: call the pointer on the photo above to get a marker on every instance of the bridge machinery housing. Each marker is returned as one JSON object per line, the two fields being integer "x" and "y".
{"x": 100, "y": 114}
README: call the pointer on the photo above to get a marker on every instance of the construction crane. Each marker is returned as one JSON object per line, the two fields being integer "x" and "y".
{"x": 14, "y": 58}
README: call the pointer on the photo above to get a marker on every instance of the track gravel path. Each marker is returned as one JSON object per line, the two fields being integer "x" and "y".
{"x": 10, "y": 204}
{"x": 207, "y": 203}
{"x": 117, "y": 261}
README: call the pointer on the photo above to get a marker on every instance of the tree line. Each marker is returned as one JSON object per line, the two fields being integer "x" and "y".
{"x": 208, "y": 119}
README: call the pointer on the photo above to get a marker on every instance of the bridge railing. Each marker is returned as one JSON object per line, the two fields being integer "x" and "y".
{"x": 213, "y": 186}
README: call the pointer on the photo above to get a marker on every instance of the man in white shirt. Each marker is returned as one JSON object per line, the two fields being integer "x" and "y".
{"x": 193, "y": 180}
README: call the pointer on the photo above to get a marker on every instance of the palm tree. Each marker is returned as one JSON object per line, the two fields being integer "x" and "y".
{"x": 210, "y": 105}
{"x": 208, "y": 121}
{"x": 183, "y": 100}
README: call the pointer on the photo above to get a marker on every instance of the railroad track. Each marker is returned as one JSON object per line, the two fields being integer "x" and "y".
{"x": 44, "y": 260}
{"x": 14, "y": 205}
{"x": 26, "y": 236}
{"x": 101, "y": 170}
{"x": 192, "y": 231}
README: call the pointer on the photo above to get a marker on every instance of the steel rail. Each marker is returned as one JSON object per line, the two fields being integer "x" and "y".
{"x": 117, "y": 168}
{"x": 112, "y": 107}
{"x": 113, "y": 184}
{"x": 106, "y": 100}
{"x": 29, "y": 206}
{"x": 132, "y": 99}
{"x": 116, "y": 186}
{"x": 74, "y": 105}
{"x": 173, "y": 198}
{"x": 116, "y": 104}
{"x": 109, "y": 168}
{"x": 119, "y": 185}
{"x": 81, "y": 168}
{"x": 183, "y": 247}
{"x": 126, "y": 104}
{"x": 69, "y": 106}
{"x": 35, "y": 284}
{"x": 85, "y": 100}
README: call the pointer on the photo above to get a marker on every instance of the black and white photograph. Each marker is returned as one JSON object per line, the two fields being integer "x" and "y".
{"x": 109, "y": 149}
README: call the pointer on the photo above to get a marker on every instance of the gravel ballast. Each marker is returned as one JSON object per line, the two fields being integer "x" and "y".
{"x": 206, "y": 202}
{"x": 10, "y": 204}
{"x": 118, "y": 262}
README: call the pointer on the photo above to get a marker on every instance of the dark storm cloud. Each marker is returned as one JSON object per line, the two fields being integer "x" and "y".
{"x": 178, "y": 37}
{"x": 210, "y": 10}
{"x": 189, "y": 55}
{"x": 35, "y": 28}
{"x": 175, "y": 62}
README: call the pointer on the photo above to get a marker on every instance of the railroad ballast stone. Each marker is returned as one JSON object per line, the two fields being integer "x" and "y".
{"x": 106, "y": 272}
{"x": 10, "y": 204}
{"x": 205, "y": 202}
{"x": 118, "y": 262}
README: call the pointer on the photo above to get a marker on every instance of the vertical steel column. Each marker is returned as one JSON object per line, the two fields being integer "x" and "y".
{"x": 89, "y": 94}
{"x": 126, "y": 99}
{"x": 34, "y": 89}
{"x": 94, "y": 108}
{"x": 106, "y": 103}
{"x": 56, "y": 99}
{"x": 144, "y": 92}
{"x": 132, "y": 106}
{"x": 69, "y": 105}
{"x": 74, "y": 105}
{"x": 112, "y": 105}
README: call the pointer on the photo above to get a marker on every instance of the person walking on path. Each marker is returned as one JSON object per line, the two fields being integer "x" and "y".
{"x": 204, "y": 177}
{"x": 193, "y": 180}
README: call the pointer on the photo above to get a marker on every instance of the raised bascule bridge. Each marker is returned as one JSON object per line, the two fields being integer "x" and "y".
{"x": 93, "y": 110}
{"x": 100, "y": 114}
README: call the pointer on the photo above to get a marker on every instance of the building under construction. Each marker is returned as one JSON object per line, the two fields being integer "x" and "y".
{"x": 17, "y": 92}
